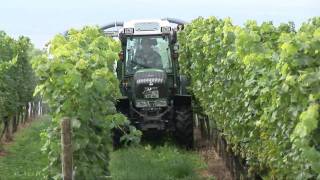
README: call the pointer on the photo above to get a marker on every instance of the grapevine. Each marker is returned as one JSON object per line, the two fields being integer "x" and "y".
{"x": 260, "y": 85}
{"x": 77, "y": 81}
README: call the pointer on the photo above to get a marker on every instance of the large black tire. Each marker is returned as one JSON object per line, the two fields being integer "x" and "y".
{"x": 116, "y": 135}
{"x": 184, "y": 127}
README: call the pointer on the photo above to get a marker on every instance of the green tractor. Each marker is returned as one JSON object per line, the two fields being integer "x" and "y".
{"x": 155, "y": 98}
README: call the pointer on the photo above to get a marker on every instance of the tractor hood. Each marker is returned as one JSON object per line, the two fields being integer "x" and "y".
{"x": 150, "y": 84}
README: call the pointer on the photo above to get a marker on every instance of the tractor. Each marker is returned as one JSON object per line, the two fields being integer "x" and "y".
{"x": 154, "y": 93}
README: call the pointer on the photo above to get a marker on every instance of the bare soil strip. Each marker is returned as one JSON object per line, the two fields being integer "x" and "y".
{"x": 215, "y": 164}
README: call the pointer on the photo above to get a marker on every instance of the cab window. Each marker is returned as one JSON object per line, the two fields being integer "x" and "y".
{"x": 148, "y": 52}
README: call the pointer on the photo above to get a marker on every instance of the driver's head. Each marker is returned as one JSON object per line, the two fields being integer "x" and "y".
{"x": 147, "y": 43}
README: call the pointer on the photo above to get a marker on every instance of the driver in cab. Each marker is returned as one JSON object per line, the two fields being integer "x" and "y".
{"x": 147, "y": 56}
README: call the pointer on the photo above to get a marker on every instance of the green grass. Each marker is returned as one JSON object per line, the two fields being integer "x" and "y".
{"x": 24, "y": 159}
{"x": 160, "y": 163}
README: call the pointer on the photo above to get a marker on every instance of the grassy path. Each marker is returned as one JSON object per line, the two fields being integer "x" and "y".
{"x": 160, "y": 163}
{"x": 23, "y": 159}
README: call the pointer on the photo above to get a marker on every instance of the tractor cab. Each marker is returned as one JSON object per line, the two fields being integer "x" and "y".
{"x": 147, "y": 50}
{"x": 154, "y": 93}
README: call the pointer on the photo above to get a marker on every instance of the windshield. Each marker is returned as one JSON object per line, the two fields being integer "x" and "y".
{"x": 148, "y": 52}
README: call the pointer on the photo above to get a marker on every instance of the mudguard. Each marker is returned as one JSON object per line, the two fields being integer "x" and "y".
{"x": 182, "y": 100}
{"x": 123, "y": 105}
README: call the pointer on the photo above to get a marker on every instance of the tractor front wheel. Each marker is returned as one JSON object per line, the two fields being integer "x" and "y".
{"x": 184, "y": 126}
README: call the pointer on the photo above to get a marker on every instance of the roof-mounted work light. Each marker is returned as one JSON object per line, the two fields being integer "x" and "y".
{"x": 128, "y": 31}
{"x": 166, "y": 29}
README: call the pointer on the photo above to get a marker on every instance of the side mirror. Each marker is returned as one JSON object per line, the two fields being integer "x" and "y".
{"x": 180, "y": 27}
{"x": 174, "y": 37}
{"x": 122, "y": 38}
{"x": 176, "y": 51}
{"x": 121, "y": 56}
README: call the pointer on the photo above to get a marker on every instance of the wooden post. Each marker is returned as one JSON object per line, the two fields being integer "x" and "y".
{"x": 66, "y": 145}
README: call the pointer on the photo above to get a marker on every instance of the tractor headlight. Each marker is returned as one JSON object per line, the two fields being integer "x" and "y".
{"x": 160, "y": 103}
{"x": 142, "y": 103}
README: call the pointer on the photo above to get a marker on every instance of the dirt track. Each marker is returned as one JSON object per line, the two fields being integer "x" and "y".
{"x": 215, "y": 165}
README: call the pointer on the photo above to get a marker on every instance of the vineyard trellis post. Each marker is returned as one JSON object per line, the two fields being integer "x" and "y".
{"x": 66, "y": 145}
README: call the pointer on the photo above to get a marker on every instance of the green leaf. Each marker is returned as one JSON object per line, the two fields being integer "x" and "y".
{"x": 76, "y": 123}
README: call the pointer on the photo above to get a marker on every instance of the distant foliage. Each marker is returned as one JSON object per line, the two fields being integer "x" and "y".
{"x": 261, "y": 85}
{"x": 17, "y": 80}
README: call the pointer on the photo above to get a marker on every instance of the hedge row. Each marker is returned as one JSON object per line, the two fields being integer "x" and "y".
{"x": 17, "y": 83}
{"x": 260, "y": 84}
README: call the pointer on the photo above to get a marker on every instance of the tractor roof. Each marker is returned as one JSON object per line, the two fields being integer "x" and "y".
{"x": 146, "y": 27}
